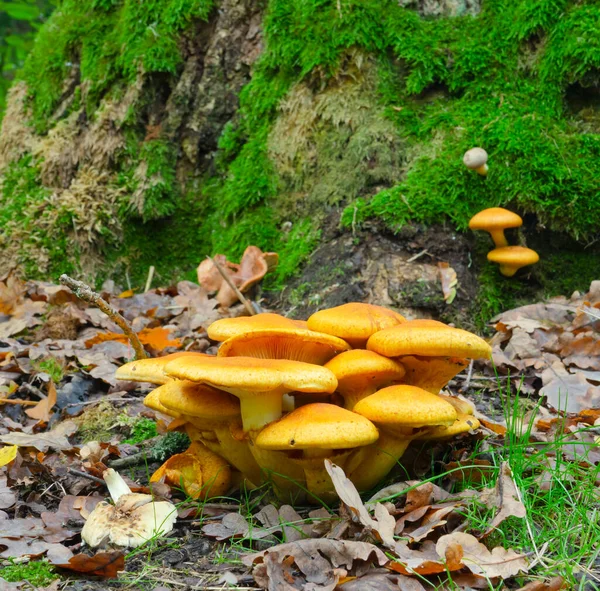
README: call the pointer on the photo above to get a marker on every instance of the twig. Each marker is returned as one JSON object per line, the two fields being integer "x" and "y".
{"x": 417, "y": 256}
{"x": 85, "y": 475}
{"x": 27, "y": 387}
{"x": 17, "y": 401}
{"x": 84, "y": 292}
{"x": 469, "y": 376}
{"x": 233, "y": 286}
{"x": 150, "y": 277}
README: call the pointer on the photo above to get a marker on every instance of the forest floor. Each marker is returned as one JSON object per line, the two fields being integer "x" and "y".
{"x": 513, "y": 504}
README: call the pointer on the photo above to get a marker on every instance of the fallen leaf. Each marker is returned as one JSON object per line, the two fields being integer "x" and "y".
{"x": 106, "y": 565}
{"x": 7, "y": 497}
{"x": 8, "y": 454}
{"x": 157, "y": 338}
{"x": 568, "y": 392}
{"x": 481, "y": 561}
{"x": 316, "y": 564}
{"x": 41, "y": 411}
{"x": 382, "y": 582}
{"x": 449, "y": 281}
{"x": 40, "y": 441}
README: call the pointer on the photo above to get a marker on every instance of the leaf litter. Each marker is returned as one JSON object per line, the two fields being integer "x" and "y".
{"x": 407, "y": 531}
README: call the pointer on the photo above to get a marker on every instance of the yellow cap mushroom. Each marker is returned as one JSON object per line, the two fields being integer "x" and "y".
{"x": 151, "y": 369}
{"x": 224, "y": 329}
{"x": 495, "y": 220}
{"x": 400, "y": 413}
{"x": 361, "y": 373}
{"x": 317, "y": 431}
{"x": 259, "y": 383}
{"x": 512, "y": 258}
{"x": 354, "y": 322}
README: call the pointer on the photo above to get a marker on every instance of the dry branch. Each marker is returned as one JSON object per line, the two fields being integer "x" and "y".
{"x": 84, "y": 292}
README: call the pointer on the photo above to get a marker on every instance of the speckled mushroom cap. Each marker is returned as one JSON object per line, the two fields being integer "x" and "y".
{"x": 475, "y": 157}
{"x": 224, "y": 329}
{"x": 428, "y": 338}
{"x": 259, "y": 383}
{"x": 354, "y": 322}
{"x": 406, "y": 406}
{"x": 152, "y": 400}
{"x": 495, "y": 218}
{"x": 318, "y": 425}
{"x": 198, "y": 400}
{"x": 297, "y": 344}
{"x": 360, "y": 372}
{"x": 151, "y": 369}
{"x": 512, "y": 258}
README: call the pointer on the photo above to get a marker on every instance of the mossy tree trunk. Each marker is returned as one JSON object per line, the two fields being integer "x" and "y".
{"x": 159, "y": 132}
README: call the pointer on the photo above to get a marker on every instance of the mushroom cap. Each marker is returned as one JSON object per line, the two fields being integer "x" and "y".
{"x": 406, "y": 406}
{"x": 431, "y": 373}
{"x": 513, "y": 256}
{"x": 198, "y": 400}
{"x": 495, "y": 218}
{"x": 463, "y": 424}
{"x": 152, "y": 400}
{"x": 428, "y": 338}
{"x": 151, "y": 369}
{"x": 297, "y": 344}
{"x": 365, "y": 366}
{"x": 475, "y": 157}
{"x": 354, "y": 322}
{"x": 226, "y": 328}
{"x": 248, "y": 375}
{"x": 318, "y": 426}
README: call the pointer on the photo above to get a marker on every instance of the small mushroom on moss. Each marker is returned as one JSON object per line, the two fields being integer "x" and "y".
{"x": 131, "y": 521}
{"x": 512, "y": 258}
{"x": 495, "y": 220}
{"x": 476, "y": 159}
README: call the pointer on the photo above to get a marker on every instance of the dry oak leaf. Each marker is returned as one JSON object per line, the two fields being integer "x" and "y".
{"x": 479, "y": 560}
{"x": 382, "y": 581}
{"x": 40, "y": 441}
{"x": 568, "y": 392}
{"x": 311, "y": 565}
{"x": 449, "y": 281}
{"x": 382, "y": 524}
{"x": 103, "y": 564}
{"x": 7, "y": 497}
{"x": 157, "y": 338}
{"x": 41, "y": 411}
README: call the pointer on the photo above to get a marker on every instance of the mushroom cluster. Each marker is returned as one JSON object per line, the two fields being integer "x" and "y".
{"x": 355, "y": 384}
{"x": 510, "y": 258}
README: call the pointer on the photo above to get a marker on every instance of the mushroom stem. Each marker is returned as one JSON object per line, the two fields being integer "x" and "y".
{"x": 260, "y": 410}
{"x": 117, "y": 487}
{"x": 498, "y": 238}
{"x": 482, "y": 170}
{"x": 318, "y": 481}
{"x": 508, "y": 270}
{"x": 353, "y": 397}
{"x": 380, "y": 458}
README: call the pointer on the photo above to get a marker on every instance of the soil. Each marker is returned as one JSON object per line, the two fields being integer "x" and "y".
{"x": 394, "y": 270}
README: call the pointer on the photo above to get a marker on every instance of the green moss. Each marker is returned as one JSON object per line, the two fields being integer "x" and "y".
{"x": 110, "y": 40}
{"x": 141, "y": 430}
{"x": 38, "y": 574}
{"x": 391, "y": 103}
{"x": 52, "y": 366}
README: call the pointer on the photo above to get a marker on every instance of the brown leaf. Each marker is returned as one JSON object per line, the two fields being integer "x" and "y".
{"x": 479, "y": 560}
{"x": 157, "y": 338}
{"x": 106, "y": 565}
{"x": 41, "y": 411}
{"x": 316, "y": 564}
{"x": 40, "y": 441}
{"x": 567, "y": 391}
{"x": 383, "y": 525}
{"x": 554, "y": 584}
{"x": 7, "y": 496}
{"x": 382, "y": 582}
{"x": 234, "y": 525}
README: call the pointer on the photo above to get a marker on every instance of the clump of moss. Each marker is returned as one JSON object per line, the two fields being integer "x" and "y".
{"x": 141, "y": 430}
{"x": 100, "y": 422}
{"x": 38, "y": 574}
{"x": 172, "y": 443}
